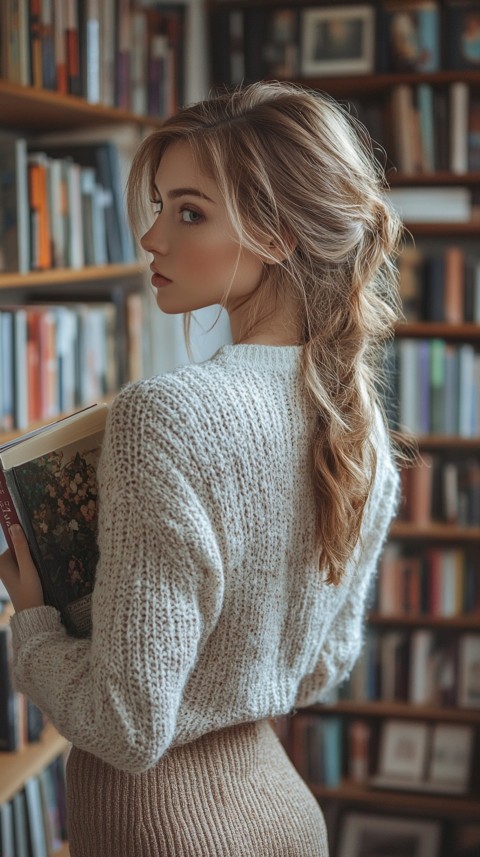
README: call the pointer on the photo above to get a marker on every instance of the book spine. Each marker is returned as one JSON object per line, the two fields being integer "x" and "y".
{"x": 8, "y": 512}
{"x": 60, "y": 47}
{"x": 459, "y": 100}
{"x": 72, "y": 49}
{"x": 35, "y": 43}
{"x": 427, "y": 133}
{"x": 47, "y": 45}
{"x": 92, "y": 53}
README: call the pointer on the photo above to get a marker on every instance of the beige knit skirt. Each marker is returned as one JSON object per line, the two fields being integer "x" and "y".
{"x": 231, "y": 793}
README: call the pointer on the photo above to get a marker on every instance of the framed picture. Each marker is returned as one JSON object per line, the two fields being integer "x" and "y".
{"x": 337, "y": 40}
{"x": 363, "y": 835}
{"x": 403, "y": 750}
{"x": 450, "y": 758}
{"x": 469, "y": 671}
{"x": 464, "y": 34}
{"x": 424, "y": 758}
{"x": 413, "y": 36}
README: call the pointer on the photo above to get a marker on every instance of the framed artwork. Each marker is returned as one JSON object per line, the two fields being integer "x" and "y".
{"x": 450, "y": 758}
{"x": 364, "y": 835}
{"x": 420, "y": 757}
{"x": 413, "y": 36}
{"x": 337, "y": 40}
{"x": 469, "y": 671}
{"x": 464, "y": 34}
{"x": 403, "y": 749}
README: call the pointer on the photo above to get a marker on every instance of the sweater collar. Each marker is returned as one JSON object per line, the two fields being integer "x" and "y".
{"x": 260, "y": 356}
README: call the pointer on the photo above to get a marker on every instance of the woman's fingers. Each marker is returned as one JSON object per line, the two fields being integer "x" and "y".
{"x": 22, "y": 550}
{"x": 21, "y": 578}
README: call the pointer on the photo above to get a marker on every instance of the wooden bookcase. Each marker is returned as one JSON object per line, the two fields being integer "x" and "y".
{"x": 349, "y": 795}
{"x": 29, "y": 110}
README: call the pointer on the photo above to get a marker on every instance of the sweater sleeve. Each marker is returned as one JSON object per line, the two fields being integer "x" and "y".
{"x": 157, "y": 597}
{"x": 343, "y": 646}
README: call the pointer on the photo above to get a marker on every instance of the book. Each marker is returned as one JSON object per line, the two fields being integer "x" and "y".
{"x": 459, "y": 99}
{"x": 36, "y": 825}
{"x": 432, "y": 204}
{"x": 14, "y": 206}
{"x": 7, "y": 839}
{"x": 48, "y": 485}
{"x": 10, "y": 738}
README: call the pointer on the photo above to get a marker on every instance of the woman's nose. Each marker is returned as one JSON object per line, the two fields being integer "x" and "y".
{"x": 155, "y": 239}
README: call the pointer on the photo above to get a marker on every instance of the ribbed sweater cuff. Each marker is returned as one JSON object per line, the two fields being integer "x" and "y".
{"x": 28, "y": 622}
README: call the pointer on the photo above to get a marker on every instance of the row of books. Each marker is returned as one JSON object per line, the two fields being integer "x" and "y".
{"x": 440, "y": 287}
{"x": 316, "y": 748}
{"x": 436, "y": 582}
{"x": 21, "y": 722}
{"x": 434, "y": 129}
{"x": 253, "y": 43}
{"x": 34, "y": 822}
{"x": 433, "y": 387}
{"x": 421, "y": 667}
{"x": 62, "y": 206}
{"x": 440, "y": 489}
{"x": 55, "y": 358}
{"x": 116, "y": 53}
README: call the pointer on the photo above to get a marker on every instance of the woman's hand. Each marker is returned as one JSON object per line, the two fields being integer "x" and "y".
{"x": 21, "y": 577}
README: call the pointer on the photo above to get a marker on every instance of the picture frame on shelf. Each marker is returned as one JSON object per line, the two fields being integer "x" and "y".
{"x": 411, "y": 36}
{"x": 403, "y": 750}
{"x": 469, "y": 671}
{"x": 337, "y": 40}
{"x": 450, "y": 758}
{"x": 364, "y": 834}
{"x": 280, "y": 48}
{"x": 463, "y": 46}
{"x": 420, "y": 757}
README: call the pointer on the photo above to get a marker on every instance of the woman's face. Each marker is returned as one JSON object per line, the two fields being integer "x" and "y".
{"x": 195, "y": 256}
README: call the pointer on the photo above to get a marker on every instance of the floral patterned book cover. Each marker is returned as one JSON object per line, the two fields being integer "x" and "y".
{"x": 56, "y": 501}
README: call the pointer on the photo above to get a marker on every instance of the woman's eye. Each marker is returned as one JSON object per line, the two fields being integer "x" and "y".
{"x": 190, "y": 216}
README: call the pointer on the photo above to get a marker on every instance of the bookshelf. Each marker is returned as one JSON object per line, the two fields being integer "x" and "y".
{"x": 33, "y": 109}
{"x": 238, "y": 54}
{"x": 101, "y": 101}
{"x": 18, "y": 767}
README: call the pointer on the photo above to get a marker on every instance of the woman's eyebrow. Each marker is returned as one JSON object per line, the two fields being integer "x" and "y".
{"x": 175, "y": 193}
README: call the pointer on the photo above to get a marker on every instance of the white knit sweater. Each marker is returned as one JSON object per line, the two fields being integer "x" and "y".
{"x": 208, "y": 608}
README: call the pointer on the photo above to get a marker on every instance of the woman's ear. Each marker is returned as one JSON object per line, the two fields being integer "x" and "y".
{"x": 280, "y": 251}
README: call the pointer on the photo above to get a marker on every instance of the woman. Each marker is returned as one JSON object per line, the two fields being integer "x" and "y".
{"x": 244, "y": 501}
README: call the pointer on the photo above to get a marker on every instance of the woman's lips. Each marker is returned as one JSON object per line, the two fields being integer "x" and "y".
{"x": 158, "y": 280}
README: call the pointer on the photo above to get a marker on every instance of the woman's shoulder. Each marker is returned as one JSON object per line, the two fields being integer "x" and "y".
{"x": 177, "y": 401}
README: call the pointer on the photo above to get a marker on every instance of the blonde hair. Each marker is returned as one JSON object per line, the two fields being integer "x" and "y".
{"x": 294, "y": 168}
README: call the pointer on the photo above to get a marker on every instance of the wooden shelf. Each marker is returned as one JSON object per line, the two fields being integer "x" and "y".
{"x": 67, "y": 276}
{"x": 29, "y": 108}
{"x": 375, "y": 84}
{"x": 439, "y": 179}
{"x": 468, "y": 229}
{"x": 433, "y": 442}
{"x": 411, "y": 802}
{"x": 18, "y": 767}
{"x": 464, "y": 622}
{"x": 438, "y": 330}
{"x": 403, "y": 710}
{"x": 438, "y": 532}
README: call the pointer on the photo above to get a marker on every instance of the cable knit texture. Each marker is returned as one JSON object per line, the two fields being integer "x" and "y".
{"x": 209, "y": 609}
